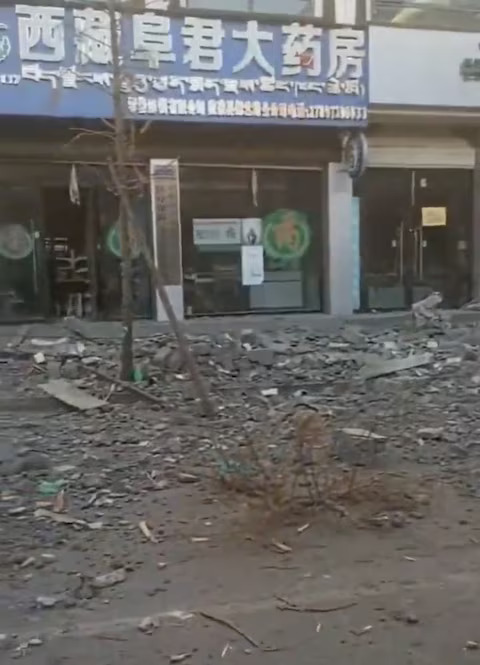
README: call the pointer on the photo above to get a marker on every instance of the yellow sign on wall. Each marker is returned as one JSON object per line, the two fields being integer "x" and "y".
{"x": 434, "y": 217}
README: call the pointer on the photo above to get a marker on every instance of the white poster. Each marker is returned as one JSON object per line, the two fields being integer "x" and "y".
{"x": 251, "y": 231}
{"x": 217, "y": 231}
{"x": 252, "y": 265}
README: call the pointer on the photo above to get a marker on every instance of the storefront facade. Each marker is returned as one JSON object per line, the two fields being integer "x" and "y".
{"x": 241, "y": 193}
{"x": 418, "y": 197}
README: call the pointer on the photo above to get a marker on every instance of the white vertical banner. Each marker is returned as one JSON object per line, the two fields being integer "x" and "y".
{"x": 252, "y": 265}
{"x": 166, "y": 232}
{"x": 346, "y": 12}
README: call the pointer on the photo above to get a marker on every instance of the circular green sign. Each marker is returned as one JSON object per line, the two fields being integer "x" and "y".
{"x": 286, "y": 234}
{"x": 15, "y": 242}
{"x": 114, "y": 245}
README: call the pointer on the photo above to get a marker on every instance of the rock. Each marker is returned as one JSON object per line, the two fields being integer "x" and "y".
{"x": 46, "y": 602}
{"x": 280, "y": 347}
{"x": 48, "y": 557}
{"x": 174, "y": 361}
{"x": 109, "y": 579}
{"x": 71, "y": 370}
{"x": 265, "y": 357}
{"x": 470, "y": 354}
{"x": 161, "y": 356}
{"x": 249, "y": 337}
{"x": 407, "y": 617}
{"x": 434, "y": 433}
{"x": 411, "y": 618}
{"x": 187, "y": 478}
{"x": 147, "y": 624}
{"x": 6, "y": 641}
{"x": 398, "y": 519}
{"x": 353, "y": 335}
{"x": 202, "y": 349}
{"x": 54, "y": 368}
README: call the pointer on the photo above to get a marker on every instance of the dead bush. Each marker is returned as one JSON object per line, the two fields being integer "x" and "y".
{"x": 290, "y": 467}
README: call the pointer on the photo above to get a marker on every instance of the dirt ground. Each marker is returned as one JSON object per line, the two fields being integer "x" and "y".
{"x": 209, "y": 582}
{"x": 407, "y": 595}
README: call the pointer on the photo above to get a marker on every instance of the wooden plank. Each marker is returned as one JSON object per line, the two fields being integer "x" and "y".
{"x": 67, "y": 393}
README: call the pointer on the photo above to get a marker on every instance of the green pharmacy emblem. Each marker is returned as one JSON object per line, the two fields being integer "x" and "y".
{"x": 114, "y": 245}
{"x": 286, "y": 234}
{"x": 16, "y": 243}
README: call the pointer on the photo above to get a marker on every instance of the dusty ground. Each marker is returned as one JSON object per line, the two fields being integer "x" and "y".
{"x": 407, "y": 593}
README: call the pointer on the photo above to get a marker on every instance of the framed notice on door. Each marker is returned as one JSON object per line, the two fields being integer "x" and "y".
{"x": 434, "y": 217}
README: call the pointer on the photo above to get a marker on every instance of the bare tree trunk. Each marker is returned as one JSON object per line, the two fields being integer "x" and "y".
{"x": 129, "y": 234}
{"x": 121, "y": 157}
{"x": 200, "y": 387}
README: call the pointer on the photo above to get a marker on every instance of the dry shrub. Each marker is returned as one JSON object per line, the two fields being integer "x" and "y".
{"x": 290, "y": 467}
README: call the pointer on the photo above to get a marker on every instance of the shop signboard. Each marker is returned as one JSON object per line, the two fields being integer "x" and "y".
{"x": 217, "y": 232}
{"x": 57, "y": 61}
{"x": 411, "y": 67}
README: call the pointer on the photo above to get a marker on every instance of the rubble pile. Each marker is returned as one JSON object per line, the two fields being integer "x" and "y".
{"x": 92, "y": 466}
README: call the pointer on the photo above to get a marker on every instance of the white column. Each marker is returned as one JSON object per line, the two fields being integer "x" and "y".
{"x": 166, "y": 233}
{"x": 339, "y": 292}
{"x": 346, "y": 12}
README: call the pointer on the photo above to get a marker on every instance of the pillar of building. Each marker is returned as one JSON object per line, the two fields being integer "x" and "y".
{"x": 339, "y": 242}
{"x": 476, "y": 223}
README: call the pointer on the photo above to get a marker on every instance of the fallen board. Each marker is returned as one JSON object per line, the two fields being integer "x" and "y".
{"x": 68, "y": 394}
{"x": 385, "y": 367}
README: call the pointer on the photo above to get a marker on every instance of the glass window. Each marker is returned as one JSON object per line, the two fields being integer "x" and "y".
{"x": 221, "y": 5}
{"x": 451, "y": 14}
{"x": 295, "y": 7}
{"x": 287, "y": 7}
{"x": 225, "y": 209}
{"x": 22, "y": 269}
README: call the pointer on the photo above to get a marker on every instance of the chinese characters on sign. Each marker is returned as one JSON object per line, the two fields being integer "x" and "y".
{"x": 57, "y": 61}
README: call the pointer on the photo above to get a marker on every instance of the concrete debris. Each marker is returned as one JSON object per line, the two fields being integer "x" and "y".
{"x": 187, "y": 478}
{"x": 61, "y": 518}
{"x": 6, "y": 641}
{"x": 49, "y": 342}
{"x": 425, "y": 311}
{"x": 71, "y": 396}
{"x": 179, "y": 658}
{"x": 46, "y": 602}
{"x": 265, "y": 357}
{"x": 431, "y": 432}
{"x": 145, "y": 529}
{"x": 386, "y": 367}
{"x": 148, "y": 624}
{"x": 148, "y": 477}
{"x": 363, "y": 433}
{"x": 109, "y": 579}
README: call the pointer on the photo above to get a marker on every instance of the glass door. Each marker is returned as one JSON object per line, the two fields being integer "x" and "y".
{"x": 23, "y": 271}
{"x": 385, "y": 220}
{"x": 415, "y": 236}
{"x": 441, "y": 234}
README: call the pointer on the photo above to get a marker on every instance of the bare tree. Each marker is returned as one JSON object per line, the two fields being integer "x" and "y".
{"x": 129, "y": 234}
{"x": 121, "y": 153}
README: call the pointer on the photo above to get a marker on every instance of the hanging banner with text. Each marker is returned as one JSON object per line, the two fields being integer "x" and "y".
{"x": 57, "y": 61}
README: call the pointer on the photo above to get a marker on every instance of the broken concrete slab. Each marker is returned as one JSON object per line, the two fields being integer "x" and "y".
{"x": 386, "y": 367}
{"x": 71, "y": 395}
{"x": 265, "y": 357}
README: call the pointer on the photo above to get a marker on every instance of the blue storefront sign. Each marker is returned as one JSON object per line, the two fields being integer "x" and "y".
{"x": 57, "y": 61}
